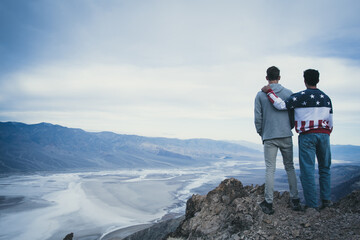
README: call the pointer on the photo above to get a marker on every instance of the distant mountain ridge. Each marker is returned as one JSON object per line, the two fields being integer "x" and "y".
{"x": 48, "y": 147}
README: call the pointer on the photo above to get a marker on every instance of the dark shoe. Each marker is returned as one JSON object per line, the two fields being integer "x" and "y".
{"x": 326, "y": 203}
{"x": 295, "y": 204}
{"x": 267, "y": 207}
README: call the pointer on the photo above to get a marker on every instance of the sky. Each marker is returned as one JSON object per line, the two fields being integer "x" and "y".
{"x": 171, "y": 68}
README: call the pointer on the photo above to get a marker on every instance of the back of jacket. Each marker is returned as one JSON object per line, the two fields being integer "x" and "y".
{"x": 271, "y": 123}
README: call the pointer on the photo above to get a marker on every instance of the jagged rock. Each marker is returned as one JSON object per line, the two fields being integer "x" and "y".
{"x": 69, "y": 236}
{"x": 193, "y": 205}
{"x": 216, "y": 212}
{"x": 231, "y": 211}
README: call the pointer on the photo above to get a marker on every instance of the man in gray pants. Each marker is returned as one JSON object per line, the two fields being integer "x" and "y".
{"x": 274, "y": 128}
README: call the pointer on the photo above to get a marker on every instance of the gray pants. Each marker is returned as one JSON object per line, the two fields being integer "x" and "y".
{"x": 270, "y": 151}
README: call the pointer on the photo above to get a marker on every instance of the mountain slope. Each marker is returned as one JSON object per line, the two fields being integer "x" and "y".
{"x": 47, "y": 147}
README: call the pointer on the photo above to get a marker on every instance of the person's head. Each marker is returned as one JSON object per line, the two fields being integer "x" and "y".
{"x": 311, "y": 77}
{"x": 273, "y": 74}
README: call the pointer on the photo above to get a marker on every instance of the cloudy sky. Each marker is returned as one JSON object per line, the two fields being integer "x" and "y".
{"x": 172, "y": 68}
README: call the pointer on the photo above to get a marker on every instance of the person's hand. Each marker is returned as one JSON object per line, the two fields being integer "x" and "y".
{"x": 266, "y": 88}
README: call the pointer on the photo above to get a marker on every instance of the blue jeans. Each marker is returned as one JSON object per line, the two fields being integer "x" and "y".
{"x": 310, "y": 145}
{"x": 270, "y": 152}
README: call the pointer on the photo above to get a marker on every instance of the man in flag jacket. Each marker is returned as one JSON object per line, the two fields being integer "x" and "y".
{"x": 312, "y": 114}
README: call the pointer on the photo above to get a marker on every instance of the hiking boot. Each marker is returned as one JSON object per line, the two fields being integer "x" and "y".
{"x": 326, "y": 203}
{"x": 295, "y": 204}
{"x": 267, "y": 207}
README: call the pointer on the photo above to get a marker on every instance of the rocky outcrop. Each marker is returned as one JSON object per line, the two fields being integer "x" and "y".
{"x": 69, "y": 236}
{"x": 231, "y": 211}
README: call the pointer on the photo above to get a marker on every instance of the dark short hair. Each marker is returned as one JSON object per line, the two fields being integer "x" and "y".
{"x": 311, "y": 77}
{"x": 273, "y": 73}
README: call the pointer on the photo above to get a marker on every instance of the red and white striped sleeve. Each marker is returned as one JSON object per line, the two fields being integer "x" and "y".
{"x": 277, "y": 102}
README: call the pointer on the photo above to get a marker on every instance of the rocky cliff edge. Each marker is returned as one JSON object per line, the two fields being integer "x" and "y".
{"x": 231, "y": 211}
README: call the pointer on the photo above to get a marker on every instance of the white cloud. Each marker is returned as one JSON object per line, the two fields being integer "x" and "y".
{"x": 180, "y": 68}
{"x": 212, "y": 102}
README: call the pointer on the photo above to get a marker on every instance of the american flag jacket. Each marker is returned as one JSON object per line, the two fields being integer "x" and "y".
{"x": 312, "y": 110}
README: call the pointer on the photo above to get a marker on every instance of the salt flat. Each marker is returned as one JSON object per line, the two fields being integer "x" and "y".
{"x": 94, "y": 205}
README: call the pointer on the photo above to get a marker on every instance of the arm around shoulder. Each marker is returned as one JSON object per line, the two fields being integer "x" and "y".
{"x": 276, "y": 101}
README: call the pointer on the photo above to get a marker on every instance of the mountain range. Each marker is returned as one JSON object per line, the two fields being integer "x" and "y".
{"x": 48, "y": 147}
